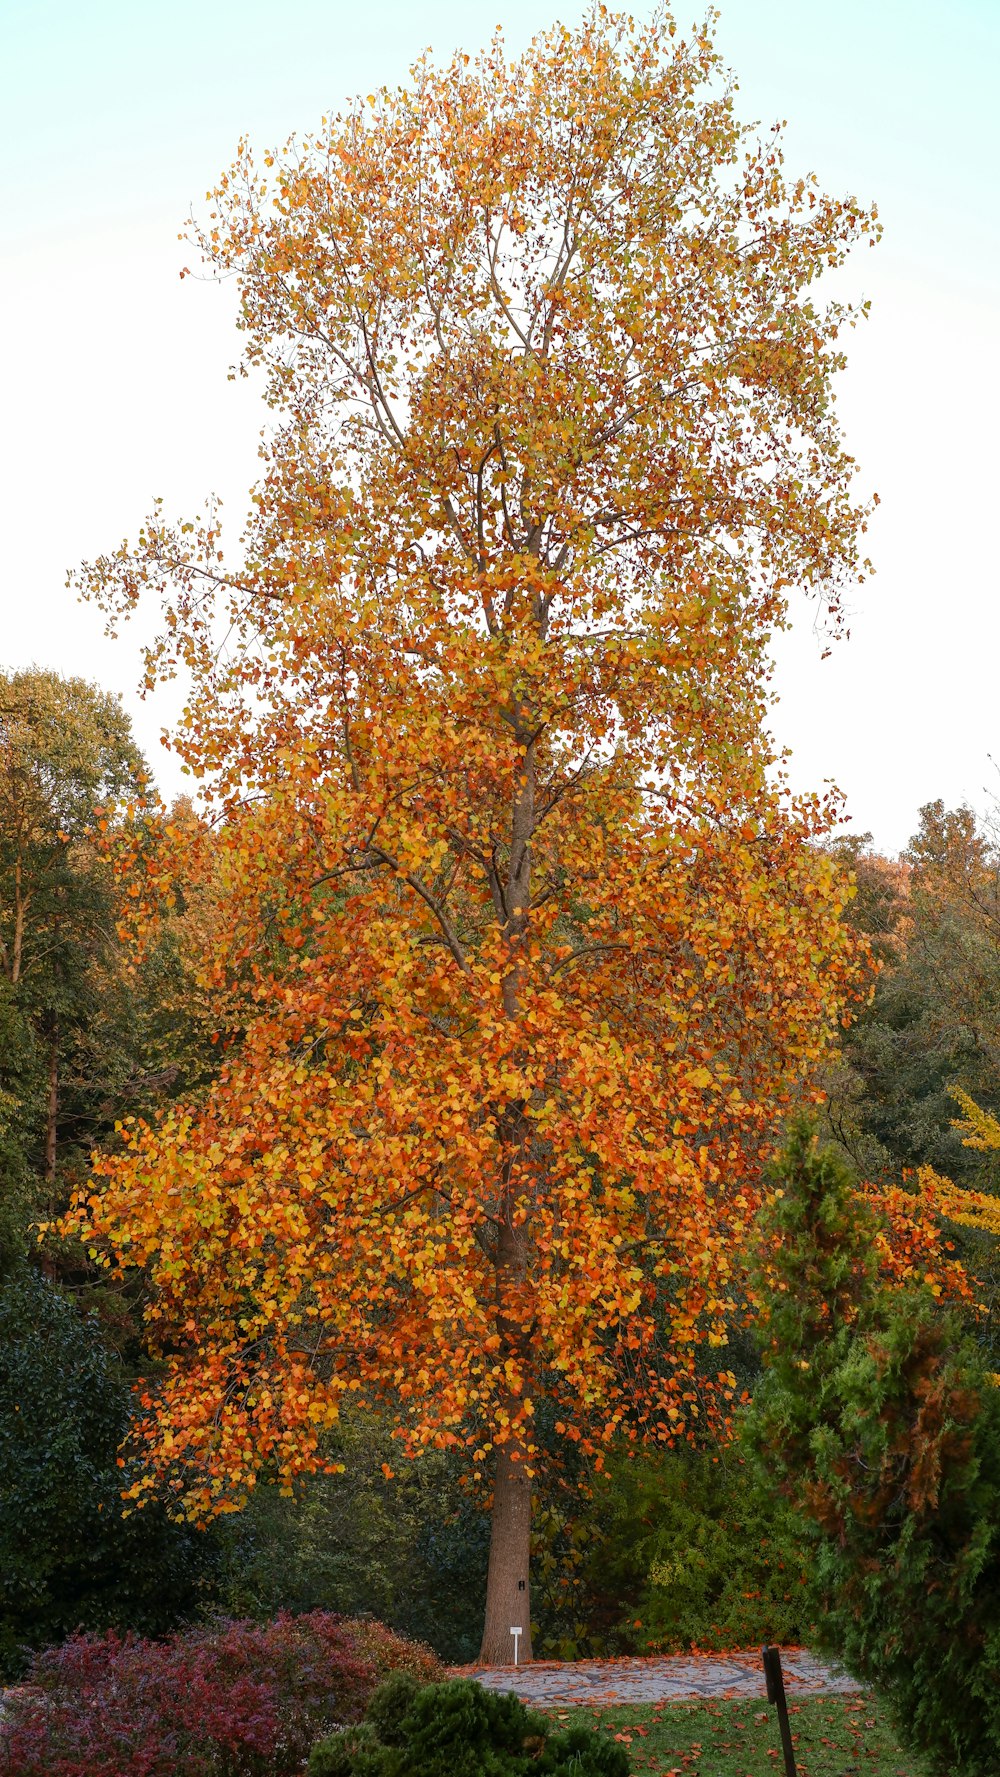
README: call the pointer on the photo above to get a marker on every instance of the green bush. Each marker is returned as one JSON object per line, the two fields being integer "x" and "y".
{"x": 878, "y": 1423}
{"x": 350, "y": 1752}
{"x": 580, "y": 1752}
{"x": 390, "y": 1706}
{"x": 689, "y": 1550}
{"x": 459, "y": 1729}
{"x": 68, "y": 1558}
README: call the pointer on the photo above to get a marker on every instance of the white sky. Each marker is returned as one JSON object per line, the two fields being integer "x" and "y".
{"x": 115, "y": 117}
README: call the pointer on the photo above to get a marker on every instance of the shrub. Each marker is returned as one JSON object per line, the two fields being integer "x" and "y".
{"x": 352, "y": 1752}
{"x": 389, "y": 1652}
{"x": 68, "y": 1558}
{"x": 235, "y": 1699}
{"x": 877, "y": 1421}
{"x": 390, "y": 1706}
{"x": 579, "y": 1750}
{"x": 663, "y": 1550}
{"x": 459, "y": 1729}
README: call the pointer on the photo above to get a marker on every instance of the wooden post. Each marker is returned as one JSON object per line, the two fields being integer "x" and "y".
{"x": 776, "y": 1695}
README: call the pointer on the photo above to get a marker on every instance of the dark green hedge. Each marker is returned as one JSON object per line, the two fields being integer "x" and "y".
{"x": 69, "y": 1558}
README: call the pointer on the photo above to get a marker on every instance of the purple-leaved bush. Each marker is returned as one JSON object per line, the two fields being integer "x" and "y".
{"x": 234, "y": 1699}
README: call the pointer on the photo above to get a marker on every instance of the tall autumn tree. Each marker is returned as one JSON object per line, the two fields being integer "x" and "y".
{"x": 517, "y": 950}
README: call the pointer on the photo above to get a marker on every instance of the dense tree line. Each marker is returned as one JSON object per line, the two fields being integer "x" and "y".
{"x": 933, "y": 1021}
{"x": 87, "y": 1033}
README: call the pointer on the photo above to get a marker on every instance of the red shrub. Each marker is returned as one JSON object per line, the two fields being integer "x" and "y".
{"x": 390, "y": 1652}
{"x": 233, "y": 1700}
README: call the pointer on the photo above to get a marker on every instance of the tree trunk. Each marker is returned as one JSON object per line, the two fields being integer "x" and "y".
{"x": 508, "y": 1583}
{"x": 508, "y": 1587}
{"x": 19, "y": 917}
{"x": 53, "y": 1106}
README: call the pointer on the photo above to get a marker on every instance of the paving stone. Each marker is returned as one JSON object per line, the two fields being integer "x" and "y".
{"x": 661, "y": 1679}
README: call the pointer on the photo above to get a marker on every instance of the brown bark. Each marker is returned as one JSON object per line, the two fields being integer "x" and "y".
{"x": 53, "y": 1105}
{"x": 508, "y": 1582}
{"x": 508, "y": 1578}
{"x": 20, "y": 909}
{"x": 517, "y": 894}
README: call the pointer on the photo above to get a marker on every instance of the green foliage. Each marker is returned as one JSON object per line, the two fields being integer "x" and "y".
{"x": 693, "y": 1552}
{"x": 86, "y": 1037}
{"x": 578, "y": 1751}
{"x": 568, "y": 1622}
{"x": 66, "y": 749}
{"x": 350, "y": 1752}
{"x": 18, "y": 1079}
{"x": 390, "y": 1705}
{"x": 877, "y": 1421}
{"x": 816, "y": 1271}
{"x": 460, "y": 1729}
{"x": 409, "y": 1548}
{"x": 934, "y": 1018}
{"x": 68, "y": 1558}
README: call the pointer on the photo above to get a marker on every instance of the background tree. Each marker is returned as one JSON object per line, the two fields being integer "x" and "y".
{"x": 408, "y": 1547}
{"x": 93, "y": 1026}
{"x": 518, "y": 953}
{"x": 933, "y": 1023}
{"x": 66, "y": 749}
{"x": 927, "y": 1045}
{"x": 77, "y": 1028}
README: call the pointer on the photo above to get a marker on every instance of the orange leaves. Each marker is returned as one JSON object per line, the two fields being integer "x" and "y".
{"x": 515, "y": 955}
{"x": 914, "y": 1247}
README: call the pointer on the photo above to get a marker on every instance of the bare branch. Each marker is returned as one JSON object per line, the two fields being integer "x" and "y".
{"x": 431, "y": 900}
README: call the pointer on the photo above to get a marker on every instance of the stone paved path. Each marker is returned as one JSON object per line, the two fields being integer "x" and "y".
{"x": 555, "y": 1684}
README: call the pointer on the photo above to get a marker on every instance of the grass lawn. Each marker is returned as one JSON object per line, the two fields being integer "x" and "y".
{"x": 832, "y": 1736}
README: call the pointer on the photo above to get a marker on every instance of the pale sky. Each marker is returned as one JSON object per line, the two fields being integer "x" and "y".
{"x": 117, "y": 116}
